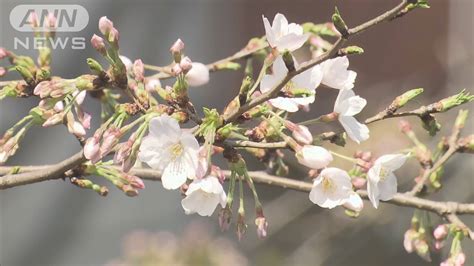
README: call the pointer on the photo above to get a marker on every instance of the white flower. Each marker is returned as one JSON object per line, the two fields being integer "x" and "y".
{"x": 355, "y": 202}
{"x": 203, "y": 196}
{"x": 198, "y": 75}
{"x": 331, "y": 188}
{"x": 314, "y": 157}
{"x": 310, "y": 79}
{"x": 170, "y": 150}
{"x": 336, "y": 75}
{"x": 382, "y": 183}
{"x": 284, "y": 36}
{"x": 346, "y": 106}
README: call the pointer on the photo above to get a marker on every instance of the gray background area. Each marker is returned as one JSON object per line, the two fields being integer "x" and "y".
{"x": 55, "y": 223}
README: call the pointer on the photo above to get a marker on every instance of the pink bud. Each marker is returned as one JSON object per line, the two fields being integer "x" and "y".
{"x": 151, "y": 84}
{"x": 92, "y": 149}
{"x": 114, "y": 37}
{"x": 176, "y": 70}
{"x": 177, "y": 47}
{"x": 77, "y": 129}
{"x": 3, "y": 71}
{"x": 33, "y": 20}
{"x": 51, "y": 20}
{"x": 299, "y": 132}
{"x": 186, "y": 64}
{"x": 439, "y": 245}
{"x": 460, "y": 259}
{"x": 262, "y": 227}
{"x": 241, "y": 226}
{"x": 43, "y": 89}
{"x": 110, "y": 139}
{"x": 441, "y": 232}
{"x": 54, "y": 120}
{"x": 359, "y": 182}
{"x": 408, "y": 240}
{"x": 84, "y": 118}
{"x": 105, "y": 25}
{"x": 126, "y": 61}
{"x": 59, "y": 107}
{"x": 138, "y": 70}
{"x": 135, "y": 181}
{"x": 3, "y": 53}
{"x": 98, "y": 44}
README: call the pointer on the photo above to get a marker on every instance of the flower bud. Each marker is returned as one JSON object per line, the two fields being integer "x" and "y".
{"x": 439, "y": 245}
{"x": 299, "y": 132}
{"x": 110, "y": 139}
{"x": 176, "y": 70}
{"x": 135, "y": 181}
{"x": 186, "y": 64}
{"x": 114, "y": 37}
{"x": 460, "y": 259}
{"x": 138, "y": 70}
{"x": 177, "y": 47}
{"x": 422, "y": 249}
{"x": 105, "y": 25}
{"x": 92, "y": 149}
{"x": 151, "y": 84}
{"x": 129, "y": 190}
{"x": 441, "y": 232}
{"x": 33, "y": 20}
{"x": 98, "y": 44}
{"x": 314, "y": 156}
{"x": 241, "y": 226}
{"x": 358, "y": 182}
{"x": 408, "y": 240}
{"x": 54, "y": 120}
{"x": 198, "y": 75}
{"x": 51, "y": 20}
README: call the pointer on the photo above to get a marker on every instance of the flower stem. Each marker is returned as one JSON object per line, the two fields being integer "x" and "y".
{"x": 344, "y": 157}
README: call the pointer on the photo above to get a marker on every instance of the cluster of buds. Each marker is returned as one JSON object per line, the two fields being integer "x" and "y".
{"x": 128, "y": 183}
{"x": 62, "y": 101}
{"x": 417, "y": 239}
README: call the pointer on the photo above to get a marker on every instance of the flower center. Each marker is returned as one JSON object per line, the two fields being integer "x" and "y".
{"x": 328, "y": 185}
{"x": 384, "y": 172}
{"x": 176, "y": 150}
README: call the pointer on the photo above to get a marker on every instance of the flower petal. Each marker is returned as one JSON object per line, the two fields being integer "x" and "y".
{"x": 392, "y": 161}
{"x": 356, "y": 131}
{"x": 291, "y": 42}
{"x": 174, "y": 175}
{"x": 388, "y": 187}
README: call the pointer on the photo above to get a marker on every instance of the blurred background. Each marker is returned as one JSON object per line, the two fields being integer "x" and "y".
{"x": 56, "y": 223}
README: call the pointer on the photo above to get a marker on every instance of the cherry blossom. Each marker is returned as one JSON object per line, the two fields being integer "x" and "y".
{"x": 336, "y": 75}
{"x": 203, "y": 196}
{"x": 346, "y": 106}
{"x": 198, "y": 75}
{"x": 314, "y": 157}
{"x": 283, "y": 36}
{"x": 331, "y": 188}
{"x": 382, "y": 183}
{"x": 171, "y": 150}
{"x": 309, "y": 80}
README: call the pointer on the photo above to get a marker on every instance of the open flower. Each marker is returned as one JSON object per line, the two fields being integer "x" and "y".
{"x": 331, "y": 188}
{"x": 382, "y": 183}
{"x": 283, "y": 36}
{"x": 346, "y": 106}
{"x": 170, "y": 150}
{"x": 198, "y": 75}
{"x": 308, "y": 80}
{"x": 314, "y": 157}
{"x": 203, "y": 196}
{"x": 336, "y": 75}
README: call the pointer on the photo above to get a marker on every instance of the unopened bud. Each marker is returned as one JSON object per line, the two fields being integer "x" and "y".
{"x": 224, "y": 219}
{"x": 98, "y": 44}
{"x": 339, "y": 23}
{"x": 186, "y": 64}
{"x": 105, "y": 25}
{"x": 262, "y": 227}
{"x": 441, "y": 232}
{"x": 299, "y": 132}
{"x": 139, "y": 70}
{"x": 176, "y": 49}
